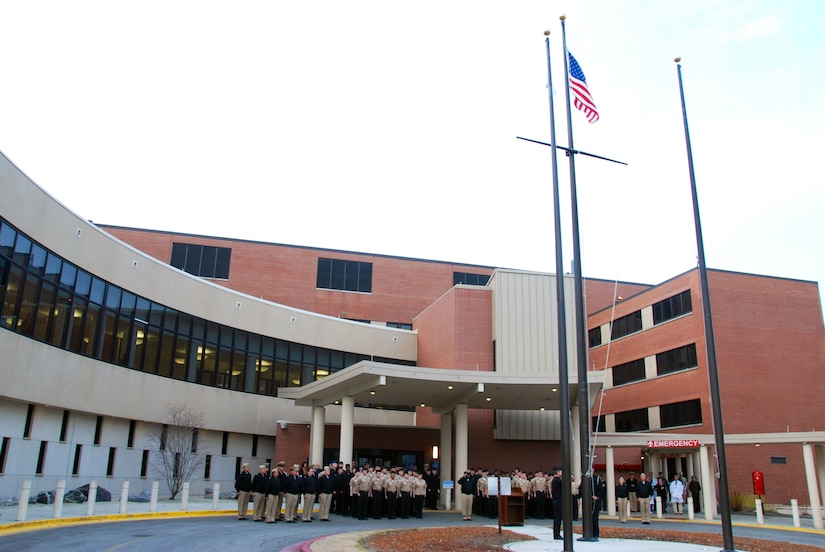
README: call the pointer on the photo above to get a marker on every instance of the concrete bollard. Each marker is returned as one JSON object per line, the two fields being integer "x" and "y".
{"x": 216, "y": 492}
{"x": 795, "y": 512}
{"x": 184, "y": 497}
{"x": 760, "y": 515}
{"x": 91, "y": 499}
{"x": 690, "y": 511}
{"x": 58, "y": 498}
{"x": 23, "y": 503}
{"x": 153, "y": 499}
{"x": 659, "y": 507}
{"x": 124, "y": 496}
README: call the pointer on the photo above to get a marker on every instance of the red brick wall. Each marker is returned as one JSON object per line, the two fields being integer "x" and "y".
{"x": 599, "y": 294}
{"x": 402, "y": 288}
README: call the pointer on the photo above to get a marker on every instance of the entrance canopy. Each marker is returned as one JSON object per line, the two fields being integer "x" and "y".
{"x": 440, "y": 389}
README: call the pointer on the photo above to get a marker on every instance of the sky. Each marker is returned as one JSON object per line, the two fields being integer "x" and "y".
{"x": 390, "y": 127}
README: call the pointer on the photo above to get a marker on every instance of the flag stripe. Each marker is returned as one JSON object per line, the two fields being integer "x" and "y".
{"x": 582, "y": 99}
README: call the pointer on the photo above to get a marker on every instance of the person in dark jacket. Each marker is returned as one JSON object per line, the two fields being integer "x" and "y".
{"x": 259, "y": 483}
{"x": 243, "y": 485}
{"x": 326, "y": 487}
{"x": 556, "y": 494}
{"x": 644, "y": 490}
{"x": 273, "y": 489}
{"x": 292, "y": 489}
{"x": 309, "y": 488}
{"x": 622, "y": 497}
{"x": 468, "y": 489}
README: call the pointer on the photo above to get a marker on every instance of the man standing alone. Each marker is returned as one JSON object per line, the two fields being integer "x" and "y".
{"x": 558, "y": 503}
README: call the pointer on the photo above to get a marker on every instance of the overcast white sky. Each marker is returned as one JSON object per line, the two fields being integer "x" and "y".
{"x": 390, "y": 127}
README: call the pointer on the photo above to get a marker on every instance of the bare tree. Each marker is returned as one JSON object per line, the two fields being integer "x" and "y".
{"x": 176, "y": 456}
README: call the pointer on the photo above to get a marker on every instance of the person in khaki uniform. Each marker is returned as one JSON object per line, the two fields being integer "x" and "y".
{"x": 538, "y": 488}
{"x": 392, "y": 490}
{"x": 377, "y": 493}
{"x": 406, "y": 492}
{"x": 482, "y": 493}
{"x": 419, "y": 495}
{"x": 279, "y": 500}
{"x": 354, "y": 482}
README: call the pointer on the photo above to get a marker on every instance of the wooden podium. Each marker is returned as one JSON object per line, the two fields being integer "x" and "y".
{"x": 511, "y": 508}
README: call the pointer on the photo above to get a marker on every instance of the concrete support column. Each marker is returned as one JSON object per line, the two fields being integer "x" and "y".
{"x": 820, "y": 470}
{"x": 446, "y": 454}
{"x": 610, "y": 477}
{"x": 347, "y": 430}
{"x": 708, "y": 484}
{"x": 461, "y": 438}
{"x": 316, "y": 436}
{"x": 813, "y": 491}
{"x": 691, "y": 465}
{"x": 655, "y": 464}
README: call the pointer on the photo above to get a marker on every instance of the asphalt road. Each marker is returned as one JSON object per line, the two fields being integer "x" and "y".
{"x": 227, "y": 533}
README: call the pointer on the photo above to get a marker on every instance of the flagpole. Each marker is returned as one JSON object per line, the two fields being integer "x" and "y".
{"x": 564, "y": 390}
{"x": 585, "y": 491}
{"x": 710, "y": 344}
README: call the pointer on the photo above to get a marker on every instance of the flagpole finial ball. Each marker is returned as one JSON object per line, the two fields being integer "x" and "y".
{"x": 677, "y": 59}
{"x": 562, "y": 17}
{"x": 547, "y": 32}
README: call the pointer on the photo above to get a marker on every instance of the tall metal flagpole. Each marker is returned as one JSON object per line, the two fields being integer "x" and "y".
{"x": 585, "y": 491}
{"x": 564, "y": 390}
{"x": 710, "y": 344}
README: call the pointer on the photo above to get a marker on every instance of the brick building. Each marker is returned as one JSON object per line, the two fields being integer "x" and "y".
{"x": 310, "y": 354}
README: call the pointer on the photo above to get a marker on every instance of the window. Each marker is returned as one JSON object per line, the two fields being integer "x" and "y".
{"x": 632, "y": 420}
{"x": 41, "y": 457}
{"x": 254, "y": 446}
{"x": 130, "y": 440}
{"x": 110, "y": 466}
{"x": 144, "y": 463}
{"x": 225, "y": 442}
{"x": 195, "y": 433}
{"x": 78, "y": 449}
{"x": 27, "y": 427}
{"x": 779, "y": 459}
{"x": 676, "y": 360}
{"x": 599, "y": 425}
{"x": 681, "y": 413}
{"x": 164, "y": 434}
{"x": 400, "y": 325}
{"x": 4, "y": 452}
{"x": 672, "y": 307}
{"x": 344, "y": 275}
{"x": 594, "y": 337}
{"x": 626, "y": 325}
{"x": 64, "y": 426}
{"x": 470, "y": 279}
{"x": 205, "y": 261}
{"x": 98, "y": 429}
{"x": 207, "y": 466}
{"x": 629, "y": 372}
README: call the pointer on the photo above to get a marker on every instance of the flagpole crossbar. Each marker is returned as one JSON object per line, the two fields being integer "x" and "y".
{"x": 569, "y": 151}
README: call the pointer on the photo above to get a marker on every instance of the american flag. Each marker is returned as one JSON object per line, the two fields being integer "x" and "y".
{"x": 581, "y": 95}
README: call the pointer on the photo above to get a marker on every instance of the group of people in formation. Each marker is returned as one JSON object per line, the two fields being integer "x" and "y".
{"x": 366, "y": 492}
{"x": 639, "y": 495}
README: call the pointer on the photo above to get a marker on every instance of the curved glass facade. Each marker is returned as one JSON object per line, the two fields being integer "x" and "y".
{"x": 47, "y": 298}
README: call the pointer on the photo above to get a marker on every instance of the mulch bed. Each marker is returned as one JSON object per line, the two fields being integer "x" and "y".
{"x": 487, "y": 539}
